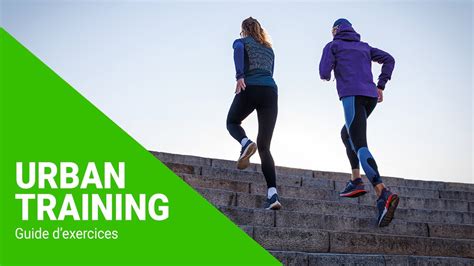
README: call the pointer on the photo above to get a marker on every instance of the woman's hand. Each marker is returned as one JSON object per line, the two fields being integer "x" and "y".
{"x": 240, "y": 86}
{"x": 380, "y": 95}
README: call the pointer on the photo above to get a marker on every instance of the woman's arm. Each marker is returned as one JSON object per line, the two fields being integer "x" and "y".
{"x": 388, "y": 64}
{"x": 327, "y": 62}
{"x": 239, "y": 55}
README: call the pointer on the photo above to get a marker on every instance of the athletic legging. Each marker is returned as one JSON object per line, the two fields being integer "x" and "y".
{"x": 265, "y": 100}
{"x": 354, "y": 135}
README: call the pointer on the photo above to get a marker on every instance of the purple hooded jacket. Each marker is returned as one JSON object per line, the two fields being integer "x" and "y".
{"x": 351, "y": 61}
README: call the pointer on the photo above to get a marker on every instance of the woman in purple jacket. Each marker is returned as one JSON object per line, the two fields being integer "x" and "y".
{"x": 351, "y": 61}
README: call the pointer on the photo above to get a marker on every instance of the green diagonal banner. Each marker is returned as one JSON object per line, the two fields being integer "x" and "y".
{"x": 77, "y": 189}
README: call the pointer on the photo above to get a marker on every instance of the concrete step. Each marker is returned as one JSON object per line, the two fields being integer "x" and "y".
{"x": 300, "y": 183}
{"x": 261, "y": 189}
{"x": 342, "y": 177}
{"x": 423, "y": 203}
{"x": 316, "y": 193}
{"x": 420, "y": 192}
{"x": 458, "y": 195}
{"x": 323, "y": 241}
{"x": 434, "y": 224}
{"x": 245, "y": 200}
{"x": 281, "y": 218}
{"x": 331, "y": 259}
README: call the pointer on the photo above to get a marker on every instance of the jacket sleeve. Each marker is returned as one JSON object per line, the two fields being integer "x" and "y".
{"x": 327, "y": 62}
{"x": 239, "y": 55}
{"x": 388, "y": 64}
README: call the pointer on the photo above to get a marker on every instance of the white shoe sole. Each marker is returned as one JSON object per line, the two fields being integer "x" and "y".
{"x": 244, "y": 160}
{"x": 274, "y": 206}
{"x": 389, "y": 211}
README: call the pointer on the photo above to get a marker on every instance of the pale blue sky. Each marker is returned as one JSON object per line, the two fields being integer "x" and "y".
{"x": 163, "y": 71}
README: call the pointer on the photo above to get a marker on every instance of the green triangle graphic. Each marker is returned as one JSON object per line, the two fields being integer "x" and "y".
{"x": 43, "y": 119}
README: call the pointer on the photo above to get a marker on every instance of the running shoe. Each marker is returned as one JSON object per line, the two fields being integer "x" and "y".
{"x": 353, "y": 189}
{"x": 272, "y": 203}
{"x": 247, "y": 151}
{"x": 387, "y": 204}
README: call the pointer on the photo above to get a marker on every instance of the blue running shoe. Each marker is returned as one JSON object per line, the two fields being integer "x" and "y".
{"x": 387, "y": 204}
{"x": 247, "y": 151}
{"x": 272, "y": 203}
{"x": 353, "y": 189}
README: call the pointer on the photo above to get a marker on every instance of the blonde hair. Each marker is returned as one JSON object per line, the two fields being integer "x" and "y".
{"x": 251, "y": 27}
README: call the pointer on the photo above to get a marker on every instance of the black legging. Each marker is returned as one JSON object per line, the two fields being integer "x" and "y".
{"x": 354, "y": 135}
{"x": 265, "y": 101}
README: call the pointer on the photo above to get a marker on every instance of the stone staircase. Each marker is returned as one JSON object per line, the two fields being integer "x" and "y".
{"x": 433, "y": 225}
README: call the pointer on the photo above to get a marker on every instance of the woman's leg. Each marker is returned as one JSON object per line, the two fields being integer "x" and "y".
{"x": 369, "y": 107}
{"x": 355, "y": 187}
{"x": 241, "y": 107}
{"x": 355, "y": 113}
{"x": 356, "y": 110}
{"x": 267, "y": 116}
{"x": 351, "y": 154}
{"x": 267, "y": 111}
{"x": 350, "y": 150}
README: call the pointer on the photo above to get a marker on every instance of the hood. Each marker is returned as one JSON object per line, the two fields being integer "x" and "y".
{"x": 347, "y": 33}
